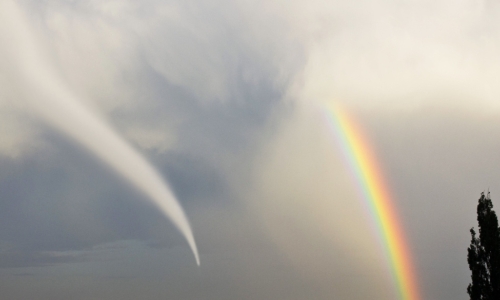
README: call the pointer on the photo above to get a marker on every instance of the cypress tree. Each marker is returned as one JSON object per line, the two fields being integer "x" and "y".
{"x": 484, "y": 254}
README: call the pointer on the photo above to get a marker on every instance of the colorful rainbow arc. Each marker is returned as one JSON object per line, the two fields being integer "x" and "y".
{"x": 376, "y": 194}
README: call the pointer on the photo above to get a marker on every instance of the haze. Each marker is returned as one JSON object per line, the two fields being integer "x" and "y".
{"x": 225, "y": 100}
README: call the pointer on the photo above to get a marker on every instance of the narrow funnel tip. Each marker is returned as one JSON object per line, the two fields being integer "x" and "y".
{"x": 192, "y": 244}
{"x": 196, "y": 256}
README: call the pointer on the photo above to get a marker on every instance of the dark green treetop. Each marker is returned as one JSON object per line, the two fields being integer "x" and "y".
{"x": 484, "y": 254}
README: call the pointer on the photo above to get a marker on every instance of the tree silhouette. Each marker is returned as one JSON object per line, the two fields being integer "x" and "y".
{"x": 484, "y": 254}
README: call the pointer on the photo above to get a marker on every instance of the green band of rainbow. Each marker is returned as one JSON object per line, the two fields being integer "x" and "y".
{"x": 364, "y": 165}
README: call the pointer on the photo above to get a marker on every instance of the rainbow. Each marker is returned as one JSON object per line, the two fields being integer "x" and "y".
{"x": 376, "y": 195}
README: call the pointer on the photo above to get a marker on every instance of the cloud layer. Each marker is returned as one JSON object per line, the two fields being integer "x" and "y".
{"x": 224, "y": 98}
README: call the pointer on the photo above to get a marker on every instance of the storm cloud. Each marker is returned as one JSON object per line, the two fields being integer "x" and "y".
{"x": 224, "y": 98}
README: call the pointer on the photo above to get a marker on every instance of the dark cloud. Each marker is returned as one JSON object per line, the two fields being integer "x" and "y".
{"x": 20, "y": 258}
{"x": 219, "y": 96}
{"x": 62, "y": 199}
{"x": 65, "y": 200}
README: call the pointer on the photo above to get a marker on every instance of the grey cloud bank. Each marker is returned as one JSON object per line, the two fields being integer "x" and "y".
{"x": 54, "y": 103}
{"x": 222, "y": 97}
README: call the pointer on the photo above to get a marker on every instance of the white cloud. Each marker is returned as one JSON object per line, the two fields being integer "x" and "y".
{"x": 386, "y": 54}
{"x": 374, "y": 54}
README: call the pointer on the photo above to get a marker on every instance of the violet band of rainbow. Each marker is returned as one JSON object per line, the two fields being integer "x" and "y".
{"x": 370, "y": 180}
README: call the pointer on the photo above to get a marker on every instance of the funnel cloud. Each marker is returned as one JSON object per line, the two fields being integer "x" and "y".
{"x": 52, "y": 101}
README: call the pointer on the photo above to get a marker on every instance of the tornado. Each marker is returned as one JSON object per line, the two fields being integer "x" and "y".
{"x": 48, "y": 98}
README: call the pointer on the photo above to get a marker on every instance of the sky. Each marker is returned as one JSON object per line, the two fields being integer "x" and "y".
{"x": 225, "y": 101}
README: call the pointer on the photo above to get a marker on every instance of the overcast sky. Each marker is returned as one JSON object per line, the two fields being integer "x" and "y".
{"x": 226, "y": 99}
